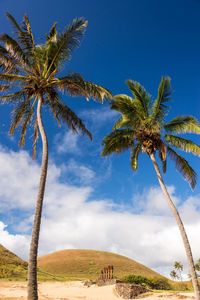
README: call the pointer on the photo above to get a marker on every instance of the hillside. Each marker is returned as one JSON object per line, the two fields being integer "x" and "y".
{"x": 87, "y": 264}
{"x": 11, "y": 265}
{"x": 14, "y": 268}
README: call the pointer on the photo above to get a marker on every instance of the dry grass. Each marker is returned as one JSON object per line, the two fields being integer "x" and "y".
{"x": 87, "y": 264}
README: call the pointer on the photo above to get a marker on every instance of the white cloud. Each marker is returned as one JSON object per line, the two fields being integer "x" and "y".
{"x": 68, "y": 143}
{"x": 17, "y": 243}
{"x": 148, "y": 234}
{"x": 79, "y": 172}
{"x": 100, "y": 116}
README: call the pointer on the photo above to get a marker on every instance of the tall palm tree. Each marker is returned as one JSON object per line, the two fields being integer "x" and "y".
{"x": 179, "y": 267}
{"x": 29, "y": 78}
{"x": 141, "y": 128}
{"x": 174, "y": 276}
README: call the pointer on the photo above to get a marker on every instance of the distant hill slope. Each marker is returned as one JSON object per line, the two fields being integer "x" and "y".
{"x": 87, "y": 264}
{"x": 11, "y": 266}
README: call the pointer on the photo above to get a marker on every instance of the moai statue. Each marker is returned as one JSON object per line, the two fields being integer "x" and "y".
{"x": 111, "y": 272}
{"x": 105, "y": 272}
{"x": 101, "y": 274}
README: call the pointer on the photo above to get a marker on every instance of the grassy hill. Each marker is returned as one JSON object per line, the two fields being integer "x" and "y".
{"x": 11, "y": 266}
{"x": 14, "y": 268}
{"x": 87, "y": 264}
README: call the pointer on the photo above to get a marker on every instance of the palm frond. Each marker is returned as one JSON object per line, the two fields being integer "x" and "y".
{"x": 75, "y": 85}
{"x": 117, "y": 141}
{"x": 182, "y": 144}
{"x": 52, "y": 36}
{"x": 9, "y": 78}
{"x": 17, "y": 115}
{"x": 14, "y": 98}
{"x": 14, "y": 49}
{"x": 183, "y": 167}
{"x": 69, "y": 117}
{"x": 28, "y": 115}
{"x": 24, "y": 33}
{"x": 183, "y": 124}
{"x": 127, "y": 106}
{"x": 162, "y": 156}
{"x": 134, "y": 156}
{"x": 66, "y": 42}
{"x": 141, "y": 96}
{"x": 159, "y": 109}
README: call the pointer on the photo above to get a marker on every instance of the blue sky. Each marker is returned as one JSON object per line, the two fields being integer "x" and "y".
{"x": 93, "y": 202}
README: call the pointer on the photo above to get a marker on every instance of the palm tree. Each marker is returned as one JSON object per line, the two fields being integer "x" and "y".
{"x": 179, "y": 267}
{"x": 174, "y": 276}
{"x": 141, "y": 128}
{"x": 29, "y": 77}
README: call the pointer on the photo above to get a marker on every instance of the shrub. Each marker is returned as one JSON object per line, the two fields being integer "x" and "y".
{"x": 153, "y": 283}
{"x": 142, "y": 280}
{"x": 159, "y": 283}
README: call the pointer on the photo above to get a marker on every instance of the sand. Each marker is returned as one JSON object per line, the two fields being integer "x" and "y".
{"x": 75, "y": 291}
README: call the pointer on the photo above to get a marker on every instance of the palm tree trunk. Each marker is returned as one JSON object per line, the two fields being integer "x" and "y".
{"x": 181, "y": 228}
{"x": 32, "y": 265}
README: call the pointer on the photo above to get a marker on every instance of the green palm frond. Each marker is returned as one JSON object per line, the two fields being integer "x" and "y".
{"x": 75, "y": 85}
{"x": 183, "y": 167}
{"x": 14, "y": 98}
{"x": 117, "y": 141}
{"x": 14, "y": 49}
{"x": 182, "y": 144}
{"x": 27, "y": 117}
{"x": 66, "y": 42}
{"x": 141, "y": 96}
{"x": 134, "y": 156}
{"x": 52, "y": 36}
{"x": 127, "y": 106}
{"x": 65, "y": 114}
{"x": 24, "y": 33}
{"x": 159, "y": 109}
{"x": 17, "y": 115}
{"x": 13, "y": 78}
{"x": 183, "y": 124}
{"x": 162, "y": 156}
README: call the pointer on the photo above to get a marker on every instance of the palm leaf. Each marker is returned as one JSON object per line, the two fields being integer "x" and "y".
{"x": 159, "y": 109}
{"x": 141, "y": 96}
{"x": 75, "y": 85}
{"x": 14, "y": 98}
{"x": 162, "y": 156}
{"x": 117, "y": 141}
{"x": 183, "y": 167}
{"x": 24, "y": 32}
{"x": 182, "y": 144}
{"x": 67, "y": 42}
{"x": 127, "y": 106}
{"x": 14, "y": 49}
{"x": 134, "y": 156}
{"x": 69, "y": 117}
{"x": 183, "y": 124}
{"x": 17, "y": 115}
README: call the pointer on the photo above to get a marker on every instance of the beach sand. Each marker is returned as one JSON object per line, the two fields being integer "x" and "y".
{"x": 75, "y": 291}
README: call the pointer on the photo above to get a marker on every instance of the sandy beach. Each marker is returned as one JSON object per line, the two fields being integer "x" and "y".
{"x": 75, "y": 291}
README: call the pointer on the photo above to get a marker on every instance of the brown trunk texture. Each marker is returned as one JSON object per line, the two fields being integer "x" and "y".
{"x": 32, "y": 265}
{"x": 181, "y": 228}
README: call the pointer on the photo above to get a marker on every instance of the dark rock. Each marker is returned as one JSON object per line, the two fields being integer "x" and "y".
{"x": 129, "y": 291}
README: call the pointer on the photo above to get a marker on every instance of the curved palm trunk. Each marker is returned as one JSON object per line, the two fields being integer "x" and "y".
{"x": 32, "y": 265}
{"x": 181, "y": 228}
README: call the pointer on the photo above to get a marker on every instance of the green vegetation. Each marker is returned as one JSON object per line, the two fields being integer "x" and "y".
{"x": 87, "y": 264}
{"x": 153, "y": 283}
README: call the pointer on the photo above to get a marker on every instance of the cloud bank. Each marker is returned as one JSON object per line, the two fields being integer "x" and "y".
{"x": 74, "y": 218}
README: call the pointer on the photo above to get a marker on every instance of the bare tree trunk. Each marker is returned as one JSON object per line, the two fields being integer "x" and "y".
{"x": 32, "y": 265}
{"x": 181, "y": 228}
